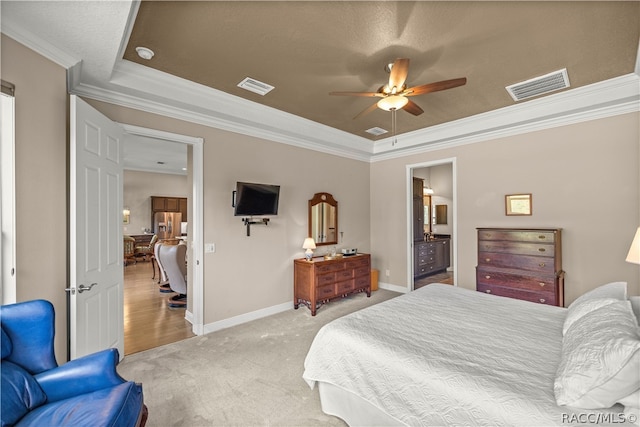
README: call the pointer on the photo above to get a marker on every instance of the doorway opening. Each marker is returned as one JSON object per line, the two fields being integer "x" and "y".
{"x": 432, "y": 223}
{"x": 149, "y": 321}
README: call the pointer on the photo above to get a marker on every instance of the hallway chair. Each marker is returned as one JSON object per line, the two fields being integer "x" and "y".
{"x": 37, "y": 392}
{"x": 173, "y": 260}
{"x": 129, "y": 249}
{"x": 147, "y": 250}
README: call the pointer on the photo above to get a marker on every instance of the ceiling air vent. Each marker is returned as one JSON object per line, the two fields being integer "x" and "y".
{"x": 376, "y": 131}
{"x": 255, "y": 86}
{"x": 539, "y": 85}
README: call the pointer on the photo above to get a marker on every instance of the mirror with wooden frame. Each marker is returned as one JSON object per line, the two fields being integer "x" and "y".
{"x": 323, "y": 219}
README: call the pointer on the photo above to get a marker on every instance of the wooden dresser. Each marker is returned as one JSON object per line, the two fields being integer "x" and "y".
{"x": 318, "y": 281}
{"x": 521, "y": 263}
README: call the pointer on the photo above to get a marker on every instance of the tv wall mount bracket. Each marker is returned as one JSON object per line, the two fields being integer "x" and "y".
{"x": 250, "y": 221}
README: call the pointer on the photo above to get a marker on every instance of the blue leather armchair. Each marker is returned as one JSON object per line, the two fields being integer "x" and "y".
{"x": 37, "y": 392}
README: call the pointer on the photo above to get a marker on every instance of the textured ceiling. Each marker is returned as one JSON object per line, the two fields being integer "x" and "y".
{"x": 308, "y": 49}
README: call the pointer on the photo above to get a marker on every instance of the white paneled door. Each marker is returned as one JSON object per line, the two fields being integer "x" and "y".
{"x": 96, "y": 288}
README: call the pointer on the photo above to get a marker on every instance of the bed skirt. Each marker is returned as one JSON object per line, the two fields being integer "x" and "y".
{"x": 353, "y": 409}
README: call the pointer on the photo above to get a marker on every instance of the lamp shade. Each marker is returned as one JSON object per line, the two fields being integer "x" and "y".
{"x": 393, "y": 102}
{"x": 309, "y": 243}
{"x": 634, "y": 251}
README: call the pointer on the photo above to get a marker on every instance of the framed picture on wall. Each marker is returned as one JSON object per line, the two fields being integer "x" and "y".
{"x": 518, "y": 204}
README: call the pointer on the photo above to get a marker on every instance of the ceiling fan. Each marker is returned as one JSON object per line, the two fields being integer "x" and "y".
{"x": 394, "y": 94}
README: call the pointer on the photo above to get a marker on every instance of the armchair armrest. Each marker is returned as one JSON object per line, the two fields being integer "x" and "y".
{"x": 83, "y": 375}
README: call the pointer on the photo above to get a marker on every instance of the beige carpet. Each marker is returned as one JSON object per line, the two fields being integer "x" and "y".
{"x": 248, "y": 375}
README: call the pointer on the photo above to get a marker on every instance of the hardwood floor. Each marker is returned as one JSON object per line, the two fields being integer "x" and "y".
{"x": 444, "y": 277}
{"x": 148, "y": 322}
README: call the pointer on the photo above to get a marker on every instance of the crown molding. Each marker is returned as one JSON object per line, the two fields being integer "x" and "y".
{"x": 620, "y": 95}
{"x": 143, "y": 88}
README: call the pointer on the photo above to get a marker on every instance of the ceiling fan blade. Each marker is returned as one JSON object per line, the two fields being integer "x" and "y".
{"x": 398, "y": 74}
{"x": 434, "y": 87}
{"x": 413, "y": 108}
{"x": 370, "y": 94}
{"x": 366, "y": 111}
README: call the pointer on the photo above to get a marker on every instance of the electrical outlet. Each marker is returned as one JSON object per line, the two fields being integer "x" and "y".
{"x": 209, "y": 248}
{"x": 387, "y": 272}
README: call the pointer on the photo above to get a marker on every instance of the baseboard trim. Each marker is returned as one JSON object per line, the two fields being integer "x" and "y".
{"x": 394, "y": 288}
{"x": 247, "y": 317}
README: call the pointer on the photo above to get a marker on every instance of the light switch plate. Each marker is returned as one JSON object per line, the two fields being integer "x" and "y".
{"x": 209, "y": 248}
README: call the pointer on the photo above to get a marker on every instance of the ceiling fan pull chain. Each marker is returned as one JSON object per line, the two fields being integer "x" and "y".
{"x": 393, "y": 127}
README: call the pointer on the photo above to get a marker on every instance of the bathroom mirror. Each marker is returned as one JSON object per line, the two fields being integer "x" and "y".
{"x": 440, "y": 214}
{"x": 323, "y": 219}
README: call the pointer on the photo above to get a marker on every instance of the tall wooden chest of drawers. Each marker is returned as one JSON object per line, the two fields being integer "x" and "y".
{"x": 521, "y": 263}
{"x": 318, "y": 281}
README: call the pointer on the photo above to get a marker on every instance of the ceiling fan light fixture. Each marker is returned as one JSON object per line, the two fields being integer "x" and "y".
{"x": 393, "y": 102}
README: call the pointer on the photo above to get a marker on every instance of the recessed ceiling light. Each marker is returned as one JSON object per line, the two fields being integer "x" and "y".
{"x": 144, "y": 52}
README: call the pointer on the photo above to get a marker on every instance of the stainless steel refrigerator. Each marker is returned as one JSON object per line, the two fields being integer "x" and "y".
{"x": 167, "y": 224}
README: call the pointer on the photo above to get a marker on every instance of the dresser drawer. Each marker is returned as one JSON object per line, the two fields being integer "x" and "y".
{"x": 326, "y": 279}
{"x": 493, "y": 277}
{"x": 539, "y": 297}
{"x": 330, "y": 266}
{"x": 344, "y": 274}
{"x": 362, "y": 271}
{"x": 344, "y": 287}
{"x": 525, "y": 262}
{"x": 362, "y": 282}
{"x": 537, "y": 236}
{"x": 359, "y": 261}
{"x": 519, "y": 248}
{"x": 325, "y": 292}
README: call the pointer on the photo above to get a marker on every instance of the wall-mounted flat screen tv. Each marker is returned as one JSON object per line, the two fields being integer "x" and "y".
{"x": 256, "y": 199}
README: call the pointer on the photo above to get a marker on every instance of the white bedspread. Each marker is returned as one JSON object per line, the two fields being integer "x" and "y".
{"x": 444, "y": 355}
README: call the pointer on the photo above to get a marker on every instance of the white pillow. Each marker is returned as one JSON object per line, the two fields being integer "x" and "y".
{"x": 583, "y": 307}
{"x": 617, "y": 290}
{"x": 600, "y": 358}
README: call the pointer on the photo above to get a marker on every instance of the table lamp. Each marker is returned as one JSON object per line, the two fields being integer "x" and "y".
{"x": 309, "y": 245}
{"x": 634, "y": 251}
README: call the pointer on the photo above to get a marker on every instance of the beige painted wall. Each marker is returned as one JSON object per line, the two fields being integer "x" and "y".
{"x": 246, "y": 274}
{"x": 41, "y": 158}
{"x": 584, "y": 179}
{"x": 138, "y": 187}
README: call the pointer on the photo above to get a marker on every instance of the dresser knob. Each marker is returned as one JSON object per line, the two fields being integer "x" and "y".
{"x": 541, "y": 264}
{"x": 488, "y": 291}
{"x": 488, "y": 259}
{"x": 542, "y": 249}
{"x": 542, "y": 284}
{"x": 487, "y": 277}
{"x": 542, "y": 300}
{"x": 542, "y": 236}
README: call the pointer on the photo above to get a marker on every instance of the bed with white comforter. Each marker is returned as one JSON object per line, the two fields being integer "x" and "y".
{"x": 444, "y": 355}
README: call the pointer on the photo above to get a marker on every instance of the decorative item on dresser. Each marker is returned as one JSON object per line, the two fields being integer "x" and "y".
{"x": 521, "y": 263}
{"x": 320, "y": 280}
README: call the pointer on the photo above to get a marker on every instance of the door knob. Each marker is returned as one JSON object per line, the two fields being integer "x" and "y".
{"x": 81, "y": 288}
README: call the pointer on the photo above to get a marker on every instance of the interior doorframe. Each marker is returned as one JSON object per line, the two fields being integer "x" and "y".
{"x": 196, "y": 316}
{"x": 454, "y": 214}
